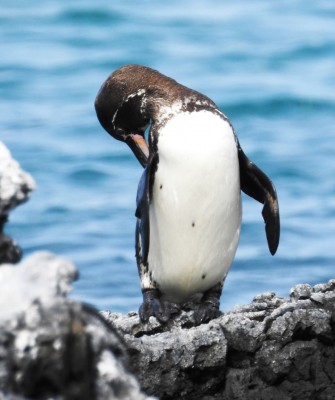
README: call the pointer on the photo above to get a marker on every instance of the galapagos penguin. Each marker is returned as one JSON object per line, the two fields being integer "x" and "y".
{"x": 189, "y": 196}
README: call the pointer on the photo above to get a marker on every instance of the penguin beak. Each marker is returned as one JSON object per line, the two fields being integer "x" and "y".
{"x": 139, "y": 147}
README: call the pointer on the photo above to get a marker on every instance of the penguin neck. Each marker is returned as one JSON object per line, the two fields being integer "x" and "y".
{"x": 165, "y": 101}
{"x": 162, "y": 104}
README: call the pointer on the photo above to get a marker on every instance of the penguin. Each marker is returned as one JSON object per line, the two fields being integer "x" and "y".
{"x": 188, "y": 204}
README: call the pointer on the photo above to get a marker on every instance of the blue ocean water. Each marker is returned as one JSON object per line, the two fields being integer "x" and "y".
{"x": 270, "y": 66}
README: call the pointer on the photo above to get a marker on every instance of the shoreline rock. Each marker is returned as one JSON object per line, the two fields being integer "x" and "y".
{"x": 16, "y": 186}
{"x": 54, "y": 347}
{"x": 274, "y": 348}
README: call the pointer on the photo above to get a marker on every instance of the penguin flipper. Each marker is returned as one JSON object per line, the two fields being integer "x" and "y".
{"x": 142, "y": 213}
{"x": 257, "y": 185}
{"x": 142, "y": 209}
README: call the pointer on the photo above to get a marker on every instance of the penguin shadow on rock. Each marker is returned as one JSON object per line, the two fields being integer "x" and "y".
{"x": 189, "y": 196}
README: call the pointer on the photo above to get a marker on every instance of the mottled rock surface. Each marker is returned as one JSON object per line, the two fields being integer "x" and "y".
{"x": 15, "y": 188}
{"x": 274, "y": 348}
{"x": 53, "y": 347}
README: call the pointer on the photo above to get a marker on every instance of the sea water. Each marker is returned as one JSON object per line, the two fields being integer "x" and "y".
{"x": 270, "y": 67}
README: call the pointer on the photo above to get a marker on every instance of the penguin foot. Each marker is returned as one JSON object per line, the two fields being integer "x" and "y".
{"x": 153, "y": 306}
{"x": 206, "y": 312}
{"x": 209, "y": 307}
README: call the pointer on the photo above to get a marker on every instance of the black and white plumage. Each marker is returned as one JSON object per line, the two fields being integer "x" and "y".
{"x": 189, "y": 196}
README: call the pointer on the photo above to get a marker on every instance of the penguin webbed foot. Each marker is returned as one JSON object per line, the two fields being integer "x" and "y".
{"x": 209, "y": 307}
{"x": 205, "y": 313}
{"x": 153, "y": 306}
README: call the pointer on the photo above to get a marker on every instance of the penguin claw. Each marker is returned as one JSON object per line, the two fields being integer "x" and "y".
{"x": 145, "y": 311}
{"x": 209, "y": 307}
{"x": 152, "y": 306}
{"x": 206, "y": 312}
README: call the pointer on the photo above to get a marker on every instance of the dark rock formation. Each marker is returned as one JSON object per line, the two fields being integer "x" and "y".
{"x": 10, "y": 252}
{"x": 15, "y": 188}
{"x": 274, "y": 348}
{"x": 51, "y": 347}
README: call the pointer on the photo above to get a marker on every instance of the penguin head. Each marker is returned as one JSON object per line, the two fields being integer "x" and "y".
{"x": 134, "y": 96}
{"x": 121, "y": 109}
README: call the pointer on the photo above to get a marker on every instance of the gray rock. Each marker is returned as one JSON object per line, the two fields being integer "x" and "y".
{"x": 53, "y": 347}
{"x": 301, "y": 292}
{"x": 15, "y": 188}
{"x": 173, "y": 361}
{"x": 15, "y": 184}
{"x": 273, "y": 348}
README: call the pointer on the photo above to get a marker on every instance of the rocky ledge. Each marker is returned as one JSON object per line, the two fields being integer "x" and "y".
{"x": 52, "y": 347}
{"x": 274, "y": 348}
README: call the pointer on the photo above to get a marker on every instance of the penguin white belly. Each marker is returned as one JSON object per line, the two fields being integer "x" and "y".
{"x": 195, "y": 211}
